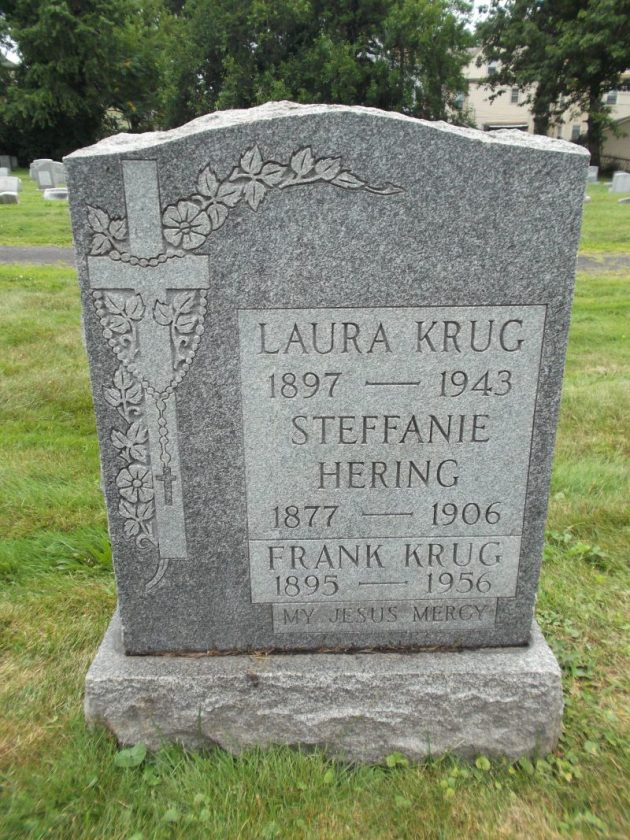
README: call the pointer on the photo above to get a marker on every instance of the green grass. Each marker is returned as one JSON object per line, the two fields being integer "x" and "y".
{"x": 60, "y": 780}
{"x": 34, "y": 221}
{"x": 606, "y": 223}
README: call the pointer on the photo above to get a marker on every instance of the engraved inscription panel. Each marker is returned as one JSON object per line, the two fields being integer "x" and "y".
{"x": 387, "y": 454}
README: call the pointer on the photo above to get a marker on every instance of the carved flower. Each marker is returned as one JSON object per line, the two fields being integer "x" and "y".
{"x": 134, "y": 483}
{"x": 185, "y": 224}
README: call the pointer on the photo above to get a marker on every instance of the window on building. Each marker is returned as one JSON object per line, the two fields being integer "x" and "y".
{"x": 611, "y": 97}
{"x": 492, "y": 69}
{"x": 575, "y": 132}
{"x": 514, "y": 96}
{"x": 459, "y": 100}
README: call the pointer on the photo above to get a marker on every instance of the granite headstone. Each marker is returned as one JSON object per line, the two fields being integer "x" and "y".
{"x": 9, "y": 183}
{"x": 326, "y": 347}
{"x": 620, "y": 182}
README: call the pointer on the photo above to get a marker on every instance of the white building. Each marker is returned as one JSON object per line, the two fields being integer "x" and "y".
{"x": 509, "y": 110}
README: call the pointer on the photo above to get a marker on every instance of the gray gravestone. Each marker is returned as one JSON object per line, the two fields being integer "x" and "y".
{"x": 592, "y": 175}
{"x": 9, "y": 183}
{"x": 35, "y": 165}
{"x": 8, "y": 197}
{"x": 5, "y": 161}
{"x": 326, "y": 380}
{"x": 620, "y": 182}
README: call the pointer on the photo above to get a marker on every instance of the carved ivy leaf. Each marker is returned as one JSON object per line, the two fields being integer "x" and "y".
{"x": 251, "y": 162}
{"x": 328, "y": 168}
{"x": 162, "y": 313}
{"x": 207, "y": 183}
{"x": 271, "y": 174}
{"x": 229, "y": 193}
{"x": 134, "y": 307}
{"x": 144, "y": 511}
{"x": 118, "y": 439}
{"x": 137, "y": 432}
{"x": 138, "y": 452}
{"x": 302, "y": 161}
{"x": 100, "y": 245}
{"x": 98, "y": 219}
{"x": 217, "y": 213}
{"x": 131, "y": 528}
{"x": 348, "y": 181}
{"x": 118, "y": 229}
{"x": 127, "y": 509}
{"x": 186, "y": 323}
{"x": 134, "y": 393}
{"x": 112, "y": 396}
{"x": 184, "y": 302}
{"x": 122, "y": 379}
{"x": 118, "y": 324}
{"x": 114, "y": 303}
{"x": 254, "y": 193}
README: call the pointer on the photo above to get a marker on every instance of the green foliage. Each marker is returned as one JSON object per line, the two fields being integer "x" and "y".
{"x": 565, "y": 53}
{"x": 131, "y": 757}
{"x": 404, "y": 55}
{"x": 84, "y": 69}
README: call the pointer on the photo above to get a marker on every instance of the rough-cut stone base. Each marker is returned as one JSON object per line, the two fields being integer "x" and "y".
{"x": 360, "y": 707}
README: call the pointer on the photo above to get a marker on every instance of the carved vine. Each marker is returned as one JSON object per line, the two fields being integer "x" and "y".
{"x": 119, "y": 315}
{"x": 134, "y": 481}
{"x": 187, "y": 224}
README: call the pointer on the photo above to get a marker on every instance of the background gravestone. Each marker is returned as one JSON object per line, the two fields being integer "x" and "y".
{"x": 326, "y": 347}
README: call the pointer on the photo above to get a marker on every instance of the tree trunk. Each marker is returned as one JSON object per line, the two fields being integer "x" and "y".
{"x": 595, "y": 123}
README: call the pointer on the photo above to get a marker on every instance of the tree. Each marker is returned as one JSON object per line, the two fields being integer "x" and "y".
{"x": 406, "y": 55}
{"x": 565, "y": 53}
{"x": 86, "y": 67}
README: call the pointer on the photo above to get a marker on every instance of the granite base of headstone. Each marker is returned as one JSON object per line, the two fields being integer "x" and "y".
{"x": 7, "y": 197}
{"x": 326, "y": 347}
{"x": 56, "y": 194}
{"x": 357, "y": 707}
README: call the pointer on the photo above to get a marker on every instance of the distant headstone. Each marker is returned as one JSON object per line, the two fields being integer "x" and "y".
{"x": 623, "y": 201}
{"x": 620, "y": 182}
{"x": 56, "y": 194}
{"x": 50, "y": 174}
{"x": 326, "y": 409}
{"x": 5, "y": 161}
{"x": 9, "y": 183}
{"x": 36, "y": 164}
{"x": 4, "y": 171}
{"x": 14, "y": 162}
{"x": 593, "y": 172}
{"x": 59, "y": 173}
{"x": 8, "y": 197}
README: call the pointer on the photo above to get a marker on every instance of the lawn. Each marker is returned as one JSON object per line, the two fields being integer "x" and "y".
{"x": 34, "y": 221}
{"x": 60, "y": 780}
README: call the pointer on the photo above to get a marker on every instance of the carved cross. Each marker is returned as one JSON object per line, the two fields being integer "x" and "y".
{"x": 154, "y": 360}
{"x": 168, "y": 478}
